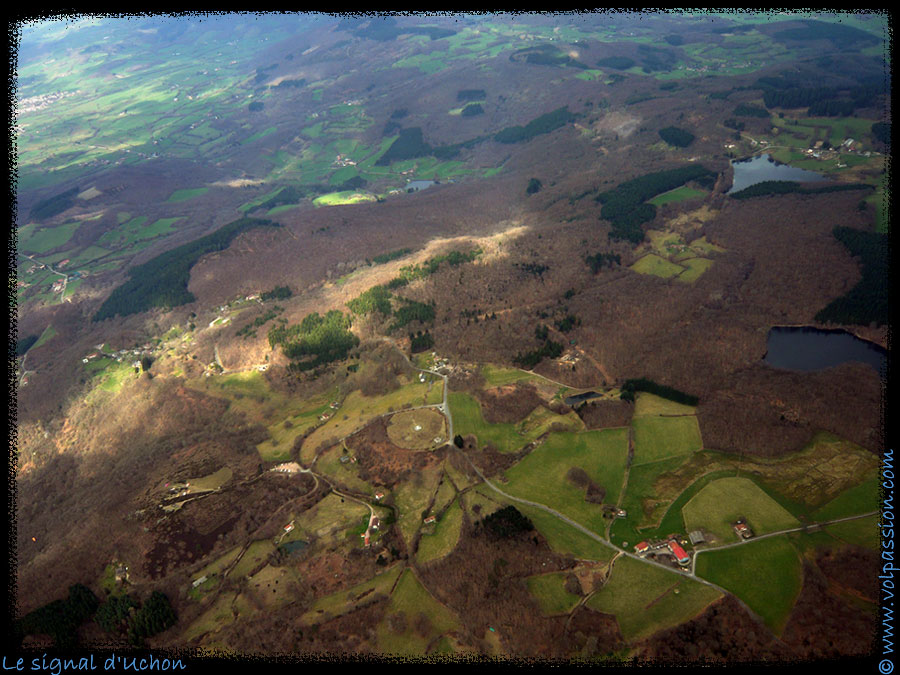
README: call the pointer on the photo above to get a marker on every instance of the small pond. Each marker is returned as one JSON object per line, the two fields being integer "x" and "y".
{"x": 807, "y": 348}
{"x": 578, "y": 398}
{"x": 755, "y": 170}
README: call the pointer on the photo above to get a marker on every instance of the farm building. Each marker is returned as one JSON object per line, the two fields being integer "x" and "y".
{"x": 680, "y": 555}
{"x": 742, "y": 530}
{"x": 696, "y": 537}
{"x": 642, "y": 547}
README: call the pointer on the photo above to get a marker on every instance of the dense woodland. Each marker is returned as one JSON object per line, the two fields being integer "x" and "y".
{"x": 324, "y": 338}
{"x": 53, "y": 206}
{"x": 867, "y": 302}
{"x": 626, "y": 206}
{"x": 163, "y": 280}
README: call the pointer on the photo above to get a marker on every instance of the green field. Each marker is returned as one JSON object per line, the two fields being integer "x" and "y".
{"x": 423, "y": 618}
{"x": 863, "y": 532}
{"x": 657, "y": 438}
{"x": 695, "y": 269}
{"x": 862, "y": 498}
{"x": 549, "y": 590}
{"x": 645, "y": 598}
{"x": 722, "y": 502}
{"x": 412, "y": 497}
{"x": 40, "y": 240}
{"x": 658, "y": 267}
{"x": 253, "y": 557}
{"x": 765, "y": 574}
{"x": 446, "y": 533}
{"x": 343, "y": 197}
{"x": 679, "y": 194}
{"x": 649, "y": 404}
{"x": 541, "y": 475}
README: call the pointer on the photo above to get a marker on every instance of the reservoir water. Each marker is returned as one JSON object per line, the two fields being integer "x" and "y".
{"x": 806, "y": 348}
{"x": 749, "y": 172}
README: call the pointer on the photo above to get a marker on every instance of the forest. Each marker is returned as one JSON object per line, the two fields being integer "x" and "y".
{"x": 867, "y": 302}
{"x": 677, "y": 137}
{"x": 784, "y": 187}
{"x": 163, "y": 281}
{"x": 539, "y": 125}
{"x": 325, "y": 338}
{"x": 53, "y": 206}
{"x": 625, "y": 207}
{"x": 643, "y": 384}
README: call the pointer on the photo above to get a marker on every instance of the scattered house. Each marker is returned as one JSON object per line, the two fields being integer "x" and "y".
{"x": 436, "y": 439}
{"x": 121, "y": 574}
{"x": 696, "y": 537}
{"x": 344, "y": 459}
{"x": 63, "y": 263}
{"x": 430, "y": 519}
{"x": 680, "y": 555}
{"x": 642, "y": 547}
{"x": 421, "y": 377}
{"x": 379, "y": 495}
{"x": 335, "y": 405}
{"x": 199, "y": 581}
{"x": 742, "y": 530}
{"x": 620, "y": 513}
{"x": 263, "y": 368}
{"x": 136, "y": 365}
{"x": 288, "y": 527}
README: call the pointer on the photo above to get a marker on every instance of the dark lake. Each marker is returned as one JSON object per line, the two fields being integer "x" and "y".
{"x": 749, "y": 172}
{"x": 806, "y": 348}
{"x": 578, "y": 398}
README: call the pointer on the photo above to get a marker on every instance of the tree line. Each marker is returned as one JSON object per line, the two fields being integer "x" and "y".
{"x": 867, "y": 302}
{"x": 643, "y": 384}
{"x": 163, "y": 280}
{"x": 316, "y": 340}
{"x": 783, "y": 187}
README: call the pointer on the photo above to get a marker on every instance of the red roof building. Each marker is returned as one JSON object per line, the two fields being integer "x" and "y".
{"x": 642, "y": 547}
{"x": 678, "y": 552}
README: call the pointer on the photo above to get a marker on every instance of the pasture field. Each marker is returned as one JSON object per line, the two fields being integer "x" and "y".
{"x": 333, "y": 515}
{"x": 253, "y": 557}
{"x": 679, "y": 194}
{"x": 646, "y": 599}
{"x": 644, "y": 503}
{"x": 650, "y": 404}
{"x": 495, "y": 376}
{"x": 343, "y": 197}
{"x": 35, "y": 240}
{"x": 765, "y": 574}
{"x": 541, "y": 420}
{"x": 723, "y": 501}
{"x": 216, "y": 617}
{"x": 412, "y": 497}
{"x": 695, "y": 267}
{"x": 413, "y": 601}
{"x": 657, "y": 266}
{"x": 863, "y": 532}
{"x": 623, "y": 529}
{"x": 219, "y": 564}
{"x": 347, "y": 600}
{"x": 550, "y": 592}
{"x": 444, "y": 496}
{"x": 505, "y": 437}
{"x": 329, "y": 463}
{"x": 213, "y": 481}
{"x": 485, "y": 499}
{"x": 283, "y": 433}
{"x": 861, "y": 498}
{"x": 274, "y": 587}
{"x": 357, "y": 410}
{"x": 657, "y": 438}
{"x": 468, "y": 419}
{"x": 444, "y": 538}
{"x": 417, "y": 429}
{"x": 48, "y": 334}
{"x": 541, "y": 475}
